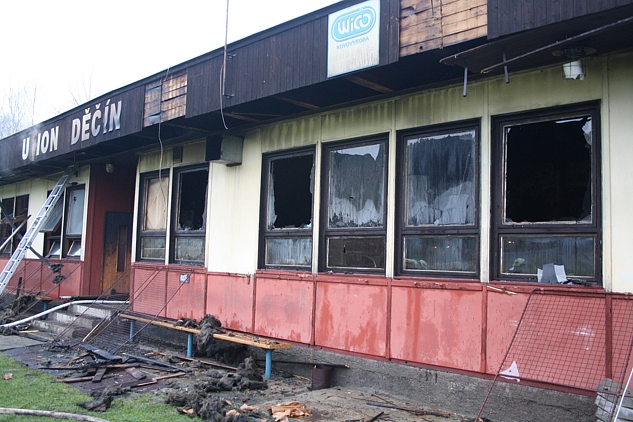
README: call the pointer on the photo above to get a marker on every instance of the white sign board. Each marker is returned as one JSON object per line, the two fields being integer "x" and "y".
{"x": 353, "y": 38}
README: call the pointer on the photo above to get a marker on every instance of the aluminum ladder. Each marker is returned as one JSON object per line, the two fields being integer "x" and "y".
{"x": 34, "y": 229}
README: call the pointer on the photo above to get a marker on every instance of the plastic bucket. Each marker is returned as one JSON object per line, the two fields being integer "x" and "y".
{"x": 321, "y": 376}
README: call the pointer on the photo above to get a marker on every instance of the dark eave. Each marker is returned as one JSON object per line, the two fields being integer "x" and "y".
{"x": 598, "y": 33}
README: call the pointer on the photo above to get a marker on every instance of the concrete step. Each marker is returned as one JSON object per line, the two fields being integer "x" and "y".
{"x": 72, "y": 319}
{"x": 55, "y": 327}
{"x": 96, "y": 310}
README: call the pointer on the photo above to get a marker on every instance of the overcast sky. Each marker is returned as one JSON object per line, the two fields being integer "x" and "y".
{"x": 58, "y": 46}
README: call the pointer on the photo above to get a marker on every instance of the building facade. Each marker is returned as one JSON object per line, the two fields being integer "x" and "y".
{"x": 403, "y": 209}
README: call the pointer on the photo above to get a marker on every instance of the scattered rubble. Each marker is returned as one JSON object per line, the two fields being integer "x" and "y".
{"x": 227, "y": 386}
{"x": 18, "y": 305}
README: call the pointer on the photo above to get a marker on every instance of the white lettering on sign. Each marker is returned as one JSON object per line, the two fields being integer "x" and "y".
{"x": 92, "y": 123}
{"x": 43, "y": 142}
{"x": 353, "y": 38}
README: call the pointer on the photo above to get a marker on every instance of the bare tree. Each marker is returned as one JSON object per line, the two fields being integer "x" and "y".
{"x": 83, "y": 90}
{"x": 17, "y": 109}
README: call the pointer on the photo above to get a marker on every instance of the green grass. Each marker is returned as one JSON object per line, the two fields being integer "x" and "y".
{"x": 30, "y": 389}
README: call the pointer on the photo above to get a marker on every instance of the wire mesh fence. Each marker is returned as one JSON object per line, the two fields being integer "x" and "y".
{"x": 569, "y": 339}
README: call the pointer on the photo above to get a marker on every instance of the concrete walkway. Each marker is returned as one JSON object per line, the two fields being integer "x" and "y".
{"x": 14, "y": 342}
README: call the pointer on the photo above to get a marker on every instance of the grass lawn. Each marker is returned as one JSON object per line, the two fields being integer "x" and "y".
{"x": 30, "y": 389}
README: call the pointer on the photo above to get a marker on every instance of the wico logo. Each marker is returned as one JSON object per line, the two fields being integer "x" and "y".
{"x": 353, "y": 24}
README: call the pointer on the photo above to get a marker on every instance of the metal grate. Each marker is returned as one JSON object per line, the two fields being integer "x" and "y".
{"x": 570, "y": 339}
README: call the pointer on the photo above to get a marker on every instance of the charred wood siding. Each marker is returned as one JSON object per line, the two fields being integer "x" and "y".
{"x": 165, "y": 99}
{"x": 510, "y": 16}
{"x": 272, "y": 65}
{"x": 430, "y": 24}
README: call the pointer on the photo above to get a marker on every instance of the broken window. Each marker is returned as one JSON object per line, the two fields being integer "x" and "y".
{"x": 153, "y": 216}
{"x": 438, "y": 215}
{"x": 354, "y": 199}
{"x": 286, "y": 232}
{"x": 16, "y": 210}
{"x": 74, "y": 218}
{"x": 548, "y": 198}
{"x": 52, "y": 229}
{"x": 190, "y": 215}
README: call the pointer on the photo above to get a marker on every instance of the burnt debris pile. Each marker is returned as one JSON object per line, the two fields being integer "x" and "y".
{"x": 202, "y": 400}
{"x": 219, "y": 350}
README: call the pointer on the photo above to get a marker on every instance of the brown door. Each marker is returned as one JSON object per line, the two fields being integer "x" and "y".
{"x": 117, "y": 253}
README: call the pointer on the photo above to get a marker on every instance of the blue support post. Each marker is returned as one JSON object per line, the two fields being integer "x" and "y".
{"x": 189, "y": 345}
{"x": 45, "y": 304}
{"x": 269, "y": 362}
{"x": 131, "y": 331}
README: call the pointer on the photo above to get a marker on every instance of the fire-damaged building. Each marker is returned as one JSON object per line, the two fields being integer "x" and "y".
{"x": 411, "y": 181}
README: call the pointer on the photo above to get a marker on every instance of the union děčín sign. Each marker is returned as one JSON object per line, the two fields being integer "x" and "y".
{"x": 94, "y": 122}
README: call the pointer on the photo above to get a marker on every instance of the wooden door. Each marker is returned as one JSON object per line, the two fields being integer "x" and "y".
{"x": 117, "y": 252}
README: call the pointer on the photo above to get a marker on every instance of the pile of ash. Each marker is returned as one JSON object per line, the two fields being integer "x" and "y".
{"x": 201, "y": 401}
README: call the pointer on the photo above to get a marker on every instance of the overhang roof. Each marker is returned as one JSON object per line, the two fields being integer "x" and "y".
{"x": 597, "y": 33}
{"x": 604, "y": 32}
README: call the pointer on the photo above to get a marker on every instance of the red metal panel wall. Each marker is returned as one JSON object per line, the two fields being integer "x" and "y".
{"x": 187, "y": 299}
{"x": 283, "y": 308}
{"x": 504, "y": 313}
{"x": 31, "y": 273}
{"x": 352, "y": 316}
{"x": 19, "y": 272}
{"x": 622, "y": 335}
{"x": 437, "y": 327}
{"x": 71, "y": 285}
{"x": 149, "y": 288}
{"x": 230, "y": 299}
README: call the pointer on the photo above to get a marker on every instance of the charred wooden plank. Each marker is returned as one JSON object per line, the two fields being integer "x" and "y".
{"x": 101, "y": 353}
{"x": 153, "y": 361}
{"x": 136, "y": 373}
{"x": 99, "y": 375}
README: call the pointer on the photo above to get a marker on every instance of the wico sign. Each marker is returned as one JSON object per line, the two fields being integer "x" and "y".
{"x": 353, "y": 38}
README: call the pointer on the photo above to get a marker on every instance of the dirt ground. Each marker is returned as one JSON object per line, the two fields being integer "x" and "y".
{"x": 327, "y": 404}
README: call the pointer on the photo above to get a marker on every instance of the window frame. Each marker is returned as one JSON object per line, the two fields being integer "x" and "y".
{"x": 175, "y": 234}
{"x": 265, "y": 233}
{"x": 69, "y": 240}
{"x": 53, "y": 235}
{"x": 559, "y": 229}
{"x": 18, "y": 214}
{"x": 402, "y": 230}
{"x": 325, "y": 232}
{"x": 143, "y": 190}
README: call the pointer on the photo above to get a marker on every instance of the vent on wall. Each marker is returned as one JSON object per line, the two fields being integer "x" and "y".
{"x": 177, "y": 155}
{"x": 224, "y": 149}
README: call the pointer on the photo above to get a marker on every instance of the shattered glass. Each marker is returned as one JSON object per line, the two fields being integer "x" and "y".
{"x": 440, "y": 180}
{"x": 192, "y": 202}
{"x": 548, "y": 172}
{"x": 357, "y": 187}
